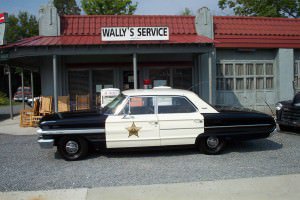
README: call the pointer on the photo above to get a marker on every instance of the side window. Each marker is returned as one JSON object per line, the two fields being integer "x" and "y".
{"x": 139, "y": 106}
{"x": 171, "y": 104}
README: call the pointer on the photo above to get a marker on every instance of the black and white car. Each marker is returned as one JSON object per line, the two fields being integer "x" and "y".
{"x": 151, "y": 118}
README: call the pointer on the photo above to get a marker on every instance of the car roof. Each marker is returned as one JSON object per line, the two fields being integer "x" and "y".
{"x": 157, "y": 92}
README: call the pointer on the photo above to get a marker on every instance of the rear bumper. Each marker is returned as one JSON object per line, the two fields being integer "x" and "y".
{"x": 46, "y": 143}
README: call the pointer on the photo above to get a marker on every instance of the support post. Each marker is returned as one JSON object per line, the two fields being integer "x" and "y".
{"x": 22, "y": 80}
{"x": 55, "y": 83}
{"x": 210, "y": 85}
{"x": 135, "y": 83}
{"x": 32, "y": 85}
{"x": 10, "y": 93}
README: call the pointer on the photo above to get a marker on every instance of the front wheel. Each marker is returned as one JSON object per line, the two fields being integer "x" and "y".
{"x": 72, "y": 148}
{"x": 211, "y": 145}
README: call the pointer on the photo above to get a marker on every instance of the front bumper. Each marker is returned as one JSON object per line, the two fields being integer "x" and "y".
{"x": 273, "y": 133}
{"x": 46, "y": 143}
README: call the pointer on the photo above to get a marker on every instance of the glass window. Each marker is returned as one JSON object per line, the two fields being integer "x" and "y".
{"x": 269, "y": 69}
{"x": 219, "y": 69}
{"x": 250, "y": 83}
{"x": 239, "y": 69}
{"x": 229, "y": 85}
{"x": 182, "y": 78}
{"x": 239, "y": 83}
{"x": 259, "y": 83}
{"x": 78, "y": 85}
{"x": 139, "y": 106}
{"x": 249, "y": 69}
{"x": 169, "y": 104}
{"x": 269, "y": 83}
{"x": 259, "y": 69}
{"x": 228, "y": 69}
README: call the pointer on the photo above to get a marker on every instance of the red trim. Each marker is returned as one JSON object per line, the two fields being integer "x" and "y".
{"x": 128, "y": 64}
{"x": 2, "y": 18}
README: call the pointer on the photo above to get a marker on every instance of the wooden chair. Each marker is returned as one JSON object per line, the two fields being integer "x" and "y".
{"x": 30, "y": 117}
{"x": 63, "y": 103}
{"x": 46, "y": 105}
{"x": 82, "y": 102}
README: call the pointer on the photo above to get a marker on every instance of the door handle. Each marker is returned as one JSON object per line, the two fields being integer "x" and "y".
{"x": 198, "y": 120}
{"x": 127, "y": 117}
{"x": 153, "y": 123}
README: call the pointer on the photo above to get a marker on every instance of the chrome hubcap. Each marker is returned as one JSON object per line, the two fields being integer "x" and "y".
{"x": 72, "y": 147}
{"x": 212, "y": 142}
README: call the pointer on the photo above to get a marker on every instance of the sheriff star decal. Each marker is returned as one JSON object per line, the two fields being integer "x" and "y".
{"x": 133, "y": 130}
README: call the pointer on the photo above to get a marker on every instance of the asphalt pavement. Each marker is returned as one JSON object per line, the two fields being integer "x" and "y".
{"x": 26, "y": 167}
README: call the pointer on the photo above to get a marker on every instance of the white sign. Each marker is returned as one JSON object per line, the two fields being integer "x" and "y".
{"x": 134, "y": 33}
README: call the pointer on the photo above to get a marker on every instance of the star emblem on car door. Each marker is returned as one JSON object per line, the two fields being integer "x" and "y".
{"x": 133, "y": 130}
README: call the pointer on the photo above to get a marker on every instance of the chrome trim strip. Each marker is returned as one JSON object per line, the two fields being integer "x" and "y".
{"x": 180, "y": 128}
{"x": 235, "y": 126}
{"x": 70, "y": 131}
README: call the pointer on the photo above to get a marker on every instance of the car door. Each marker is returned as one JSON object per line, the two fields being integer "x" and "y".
{"x": 179, "y": 120}
{"x": 135, "y": 126}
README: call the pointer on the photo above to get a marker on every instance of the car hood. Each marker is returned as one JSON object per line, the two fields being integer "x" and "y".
{"x": 77, "y": 119}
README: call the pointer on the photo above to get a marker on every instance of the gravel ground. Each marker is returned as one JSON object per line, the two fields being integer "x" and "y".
{"x": 24, "y": 166}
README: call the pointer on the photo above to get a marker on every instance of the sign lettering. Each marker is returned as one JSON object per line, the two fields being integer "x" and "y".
{"x": 134, "y": 33}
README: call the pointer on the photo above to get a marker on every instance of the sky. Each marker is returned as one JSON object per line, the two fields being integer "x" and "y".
{"x": 145, "y": 7}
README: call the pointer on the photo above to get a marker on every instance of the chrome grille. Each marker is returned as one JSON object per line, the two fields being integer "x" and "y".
{"x": 291, "y": 114}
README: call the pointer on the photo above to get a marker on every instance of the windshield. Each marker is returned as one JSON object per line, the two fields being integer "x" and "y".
{"x": 113, "y": 105}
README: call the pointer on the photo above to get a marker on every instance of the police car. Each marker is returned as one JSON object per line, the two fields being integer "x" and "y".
{"x": 151, "y": 118}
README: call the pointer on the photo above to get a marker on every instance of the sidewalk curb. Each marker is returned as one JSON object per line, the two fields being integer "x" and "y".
{"x": 273, "y": 188}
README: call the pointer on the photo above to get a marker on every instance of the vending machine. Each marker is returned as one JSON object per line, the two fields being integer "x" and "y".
{"x": 108, "y": 94}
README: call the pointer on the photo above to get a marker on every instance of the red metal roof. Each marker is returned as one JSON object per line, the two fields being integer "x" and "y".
{"x": 85, "y": 30}
{"x": 256, "y": 32}
{"x": 92, "y": 24}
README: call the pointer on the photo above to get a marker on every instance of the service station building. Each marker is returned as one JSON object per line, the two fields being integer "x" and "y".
{"x": 234, "y": 61}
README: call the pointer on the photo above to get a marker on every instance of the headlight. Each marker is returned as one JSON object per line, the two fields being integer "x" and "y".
{"x": 278, "y": 106}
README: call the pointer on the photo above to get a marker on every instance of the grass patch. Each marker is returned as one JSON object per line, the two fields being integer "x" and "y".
{"x": 3, "y": 99}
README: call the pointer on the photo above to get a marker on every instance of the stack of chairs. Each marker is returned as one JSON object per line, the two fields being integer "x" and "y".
{"x": 82, "y": 102}
{"x": 63, "y": 103}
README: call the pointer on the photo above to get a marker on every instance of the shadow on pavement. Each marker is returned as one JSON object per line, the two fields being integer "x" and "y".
{"x": 251, "y": 146}
{"x": 236, "y": 146}
{"x": 6, "y": 116}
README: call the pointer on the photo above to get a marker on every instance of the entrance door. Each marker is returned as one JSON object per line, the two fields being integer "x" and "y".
{"x": 179, "y": 121}
{"x": 136, "y": 126}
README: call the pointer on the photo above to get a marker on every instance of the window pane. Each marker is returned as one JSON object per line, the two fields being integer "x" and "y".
{"x": 159, "y": 74}
{"x": 220, "y": 84}
{"x": 269, "y": 83}
{"x": 229, "y": 84}
{"x": 250, "y": 83}
{"x": 259, "y": 83}
{"x": 239, "y": 83}
{"x": 297, "y": 82}
{"x": 78, "y": 85}
{"x": 296, "y": 68}
{"x": 249, "y": 69}
{"x": 219, "y": 69}
{"x": 259, "y": 69}
{"x": 169, "y": 104}
{"x": 269, "y": 69}
{"x": 239, "y": 69}
{"x": 140, "y": 106}
{"x": 228, "y": 69}
{"x": 182, "y": 78}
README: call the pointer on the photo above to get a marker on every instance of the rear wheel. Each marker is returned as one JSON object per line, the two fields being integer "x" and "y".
{"x": 211, "y": 145}
{"x": 72, "y": 148}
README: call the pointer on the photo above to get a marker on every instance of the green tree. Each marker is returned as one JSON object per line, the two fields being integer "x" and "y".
{"x": 22, "y": 26}
{"x": 67, "y": 7}
{"x": 267, "y": 8}
{"x": 187, "y": 12}
{"x": 108, "y": 7}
